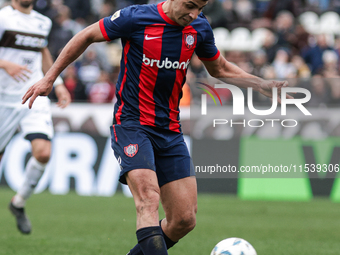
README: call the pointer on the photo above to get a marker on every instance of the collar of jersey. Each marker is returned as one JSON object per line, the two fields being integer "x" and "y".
{"x": 164, "y": 16}
{"x": 21, "y": 13}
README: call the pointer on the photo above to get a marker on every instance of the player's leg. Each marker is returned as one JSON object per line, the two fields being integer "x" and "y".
{"x": 36, "y": 165}
{"x": 175, "y": 177}
{"x": 146, "y": 193}
{"x": 144, "y": 187}
{"x": 10, "y": 118}
{"x": 177, "y": 180}
{"x": 134, "y": 152}
{"x": 37, "y": 128}
{"x": 179, "y": 200}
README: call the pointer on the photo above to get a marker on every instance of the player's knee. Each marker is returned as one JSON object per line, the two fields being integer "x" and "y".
{"x": 186, "y": 222}
{"x": 41, "y": 150}
{"x": 42, "y": 156}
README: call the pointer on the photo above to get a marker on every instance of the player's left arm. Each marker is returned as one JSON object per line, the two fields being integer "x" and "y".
{"x": 232, "y": 74}
{"x": 64, "y": 97}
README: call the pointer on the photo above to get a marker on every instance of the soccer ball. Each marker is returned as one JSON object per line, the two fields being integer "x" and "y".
{"x": 233, "y": 246}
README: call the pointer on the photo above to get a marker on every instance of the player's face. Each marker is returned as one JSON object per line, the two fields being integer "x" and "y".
{"x": 24, "y": 3}
{"x": 186, "y": 11}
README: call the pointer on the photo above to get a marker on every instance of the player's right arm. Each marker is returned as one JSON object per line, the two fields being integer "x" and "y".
{"x": 73, "y": 49}
{"x": 17, "y": 72}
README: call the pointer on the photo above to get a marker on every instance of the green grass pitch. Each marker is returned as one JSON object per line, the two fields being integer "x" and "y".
{"x": 74, "y": 225}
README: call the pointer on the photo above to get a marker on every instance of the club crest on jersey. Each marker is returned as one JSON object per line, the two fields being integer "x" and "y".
{"x": 189, "y": 40}
{"x": 115, "y": 15}
{"x": 131, "y": 150}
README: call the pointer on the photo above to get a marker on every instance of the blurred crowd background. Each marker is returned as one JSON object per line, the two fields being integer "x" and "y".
{"x": 296, "y": 40}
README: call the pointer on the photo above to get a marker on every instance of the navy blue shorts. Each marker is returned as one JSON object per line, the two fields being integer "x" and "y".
{"x": 146, "y": 147}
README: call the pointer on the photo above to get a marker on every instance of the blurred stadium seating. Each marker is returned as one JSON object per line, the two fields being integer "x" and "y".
{"x": 287, "y": 35}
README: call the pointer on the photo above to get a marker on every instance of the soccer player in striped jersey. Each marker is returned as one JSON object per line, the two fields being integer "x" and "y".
{"x": 24, "y": 58}
{"x": 158, "y": 42}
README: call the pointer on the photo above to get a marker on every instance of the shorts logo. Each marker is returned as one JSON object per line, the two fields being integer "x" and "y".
{"x": 131, "y": 150}
{"x": 189, "y": 40}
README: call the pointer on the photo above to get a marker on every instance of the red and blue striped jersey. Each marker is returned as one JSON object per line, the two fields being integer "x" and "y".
{"x": 155, "y": 57}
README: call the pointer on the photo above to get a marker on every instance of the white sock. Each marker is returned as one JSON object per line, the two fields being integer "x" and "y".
{"x": 34, "y": 171}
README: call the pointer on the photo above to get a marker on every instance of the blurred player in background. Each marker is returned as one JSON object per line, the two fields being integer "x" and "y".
{"x": 158, "y": 43}
{"x": 24, "y": 58}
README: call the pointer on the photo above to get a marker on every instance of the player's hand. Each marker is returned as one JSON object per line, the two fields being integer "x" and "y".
{"x": 41, "y": 88}
{"x": 18, "y": 72}
{"x": 267, "y": 85}
{"x": 64, "y": 97}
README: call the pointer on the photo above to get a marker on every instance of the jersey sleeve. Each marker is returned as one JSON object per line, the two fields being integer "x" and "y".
{"x": 207, "y": 50}
{"x": 119, "y": 25}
